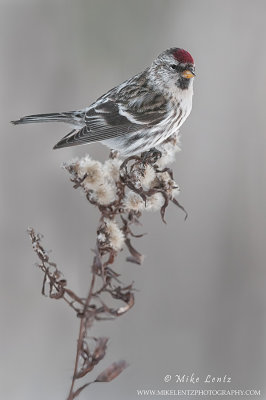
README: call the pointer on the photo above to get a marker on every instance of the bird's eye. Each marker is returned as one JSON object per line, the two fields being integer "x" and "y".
{"x": 173, "y": 66}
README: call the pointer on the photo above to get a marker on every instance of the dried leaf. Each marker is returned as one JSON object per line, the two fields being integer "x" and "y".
{"x": 84, "y": 371}
{"x": 137, "y": 257}
{"x": 73, "y": 296}
{"x": 111, "y": 372}
{"x": 79, "y": 390}
{"x": 100, "y": 350}
{"x": 180, "y": 206}
{"x": 56, "y": 292}
{"x": 164, "y": 206}
{"x": 130, "y": 304}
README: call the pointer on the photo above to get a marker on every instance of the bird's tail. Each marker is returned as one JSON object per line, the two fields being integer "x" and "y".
{"x": 70, "y": 117}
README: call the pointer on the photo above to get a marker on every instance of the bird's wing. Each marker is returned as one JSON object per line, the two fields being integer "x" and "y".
{"x": 109, "y": 117}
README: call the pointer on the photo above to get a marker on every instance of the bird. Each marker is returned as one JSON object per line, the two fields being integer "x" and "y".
{"x": 137, "y": 115}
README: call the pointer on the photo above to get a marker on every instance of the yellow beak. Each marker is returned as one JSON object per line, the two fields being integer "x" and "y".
{"x": 188, "y": 74}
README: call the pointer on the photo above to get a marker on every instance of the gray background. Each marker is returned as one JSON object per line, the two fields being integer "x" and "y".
{"x": 201, "y": 301}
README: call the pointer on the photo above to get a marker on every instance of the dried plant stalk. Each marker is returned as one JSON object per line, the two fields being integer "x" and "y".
{"x": 121, "y": 190}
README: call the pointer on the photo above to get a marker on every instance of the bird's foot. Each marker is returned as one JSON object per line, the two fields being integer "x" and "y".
{"x": 113, "y": 154}
{"x": 151, "y": 156}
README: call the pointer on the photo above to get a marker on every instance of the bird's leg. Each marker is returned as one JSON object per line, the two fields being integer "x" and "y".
{"x": 113, "y": 154}
{"x": 151, "y": 155}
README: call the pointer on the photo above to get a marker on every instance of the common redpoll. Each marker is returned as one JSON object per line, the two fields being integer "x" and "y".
{"x": 136, "y": 115}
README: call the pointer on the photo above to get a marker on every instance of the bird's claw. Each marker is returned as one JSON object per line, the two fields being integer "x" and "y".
{"x": 151, "y": 156}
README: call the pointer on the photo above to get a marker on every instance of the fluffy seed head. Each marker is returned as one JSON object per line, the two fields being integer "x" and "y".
{"x": 111, "y": 168}
{"x": 91, "y": 168}
{"x": 148, "y": 177}
{"x": 169, "y": 185}
{"x": 155, "y": 202}
{"x": 105, "y": 194}
{"x": 114, "y": 234}
{"x": 168, "y": 149}
{"x": 133, "y": 202}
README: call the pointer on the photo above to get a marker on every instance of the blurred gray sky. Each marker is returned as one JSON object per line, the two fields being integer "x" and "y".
{"x": 201, "y": 301}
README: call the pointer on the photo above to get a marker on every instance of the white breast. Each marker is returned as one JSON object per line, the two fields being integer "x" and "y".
{"x": 180, "y": 106}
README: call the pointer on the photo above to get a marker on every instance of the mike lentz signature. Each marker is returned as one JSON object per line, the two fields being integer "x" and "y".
{"x": 193, "y": 378}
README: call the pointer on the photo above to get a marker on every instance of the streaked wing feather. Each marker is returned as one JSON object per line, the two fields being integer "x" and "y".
{"x": 110, "y": 118}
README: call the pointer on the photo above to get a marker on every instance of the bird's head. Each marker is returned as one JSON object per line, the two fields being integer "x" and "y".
{"x": 173, "y": 68}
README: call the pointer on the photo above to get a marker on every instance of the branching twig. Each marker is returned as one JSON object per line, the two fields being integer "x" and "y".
{"x": 118, "y": 189}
